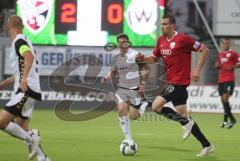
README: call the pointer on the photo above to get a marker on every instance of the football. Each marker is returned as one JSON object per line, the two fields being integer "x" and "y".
{"x": 128, "y": 147}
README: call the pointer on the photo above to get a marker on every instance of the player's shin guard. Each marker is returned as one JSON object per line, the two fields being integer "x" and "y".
{"x": 173, "y": 115}
{"x": 199, "y": 135}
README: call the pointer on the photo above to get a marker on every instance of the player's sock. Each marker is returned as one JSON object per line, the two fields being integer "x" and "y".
{"x": 125, "y": 126}
{"x": 225, "y": 116}
{"x": 228, "y": 110}
{"x": 15, "y": 130}
{"x": 173, "y": 115}
{"x": 143, "y": 107}
{"x": 199, "y": 135}
{"x": 40, "y": 152}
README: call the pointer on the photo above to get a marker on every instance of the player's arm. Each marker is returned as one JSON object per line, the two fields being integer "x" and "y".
{"x": 28, "y": 61}
{"x": 7, "y": 82}
{"x": 108, "y": 76}
{"x": 232, "y": 67}
{"x": 149, "y": 59}
{"x": 113, "y": 72}
{"x": 236, "y": 63}
{"x": 156, "y": 54}
{"x": 203, "y": 54}
{"x": 144, "y": 74}
{"x": 24, "y": 52}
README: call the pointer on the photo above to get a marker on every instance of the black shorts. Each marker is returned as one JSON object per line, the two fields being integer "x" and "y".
{"x": 177, "y": 94}
{"x": 20, "y": 105}
{"x": 226, "y": 87}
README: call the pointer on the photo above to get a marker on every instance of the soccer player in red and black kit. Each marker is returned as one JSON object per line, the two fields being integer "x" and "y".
{"x": 227, "y": 61}
{"x": 175, "y": 49}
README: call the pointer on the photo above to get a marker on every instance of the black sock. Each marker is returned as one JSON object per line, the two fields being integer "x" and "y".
{"x": 173, "y": 115}
{"x": 228, "y": 111}
{"x": 199, "y": 135}
{"x": 225, "y": 117}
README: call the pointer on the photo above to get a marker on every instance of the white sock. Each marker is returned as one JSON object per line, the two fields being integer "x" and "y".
{"x": 125, "y": 126}
{"x": 40, "y": 153}
{"x": 15, "y": 130}
{"x": 143, "y": 108}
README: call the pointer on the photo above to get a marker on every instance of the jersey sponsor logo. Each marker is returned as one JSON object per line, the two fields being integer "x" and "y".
{"x": 223, "y": 60}
{"x": 166, "y": 52}
{"x": 196, "y": 45}
{"x": 35, "y": 14}
{"x": 132, "y": 75}
{"x": 142, "y": 16}
{"x": 172, "y": 45}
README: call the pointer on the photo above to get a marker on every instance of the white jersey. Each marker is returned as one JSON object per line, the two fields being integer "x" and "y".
{"x": 127, "y": 68}
{"x": 17, "y": 60}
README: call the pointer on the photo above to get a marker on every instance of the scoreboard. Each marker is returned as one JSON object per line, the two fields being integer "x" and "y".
{"x": 91, "y": 22}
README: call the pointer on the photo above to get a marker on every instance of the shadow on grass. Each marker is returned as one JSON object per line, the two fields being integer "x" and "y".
{"x": 207, "y": 158}
{"x": 166, "y": 148}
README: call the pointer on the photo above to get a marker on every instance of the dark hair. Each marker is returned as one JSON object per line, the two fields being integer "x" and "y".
{"x": 171, "y": 19}
{"x": 122, "y": 35}
{"x": 227, "y": 39}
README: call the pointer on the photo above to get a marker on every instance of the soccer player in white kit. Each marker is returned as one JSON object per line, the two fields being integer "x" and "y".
{"x": 15, "y": 116}
{"x": 130, "y": 86}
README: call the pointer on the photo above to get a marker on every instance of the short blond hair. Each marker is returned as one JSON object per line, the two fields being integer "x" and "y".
{"x": 15, "y": 21}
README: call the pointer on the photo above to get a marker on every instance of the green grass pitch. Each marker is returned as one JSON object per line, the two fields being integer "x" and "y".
{"x": 98, "y": 140}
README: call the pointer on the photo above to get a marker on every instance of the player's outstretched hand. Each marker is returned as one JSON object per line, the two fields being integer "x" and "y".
{"x": 195, "y": 75}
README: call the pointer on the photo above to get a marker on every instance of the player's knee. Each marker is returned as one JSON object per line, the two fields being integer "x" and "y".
{"x": 224, "y": 100}
{"x": 158, "y": 104}
{"x": 122, "y": 112}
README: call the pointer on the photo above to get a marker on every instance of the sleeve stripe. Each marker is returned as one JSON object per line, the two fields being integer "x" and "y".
{"x": 200, "y": 48}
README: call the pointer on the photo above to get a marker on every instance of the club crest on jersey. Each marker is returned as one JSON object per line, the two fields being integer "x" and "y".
{"x": 35, "y": 14}
{"x": 172, "y": 45}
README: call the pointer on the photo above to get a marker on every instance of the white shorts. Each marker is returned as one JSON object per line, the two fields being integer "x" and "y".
{"x": 129, "y": 96}
{"x": 21, "y": 105}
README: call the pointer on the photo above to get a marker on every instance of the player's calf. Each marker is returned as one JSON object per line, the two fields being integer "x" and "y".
{"x": 5, "y": 118}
